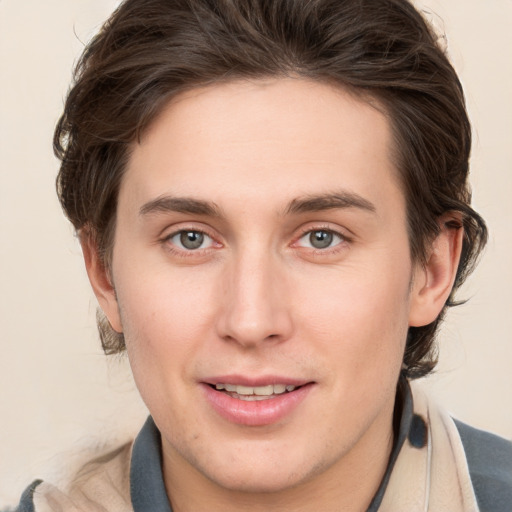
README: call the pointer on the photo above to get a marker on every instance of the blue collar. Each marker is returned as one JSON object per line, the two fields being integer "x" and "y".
{"x": 147, "y": 487}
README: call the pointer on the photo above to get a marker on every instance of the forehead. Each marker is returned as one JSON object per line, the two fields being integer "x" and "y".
{"x": 277, "y": 137}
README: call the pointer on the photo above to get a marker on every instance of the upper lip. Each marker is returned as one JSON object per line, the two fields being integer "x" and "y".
{"x": 262, "y": 380}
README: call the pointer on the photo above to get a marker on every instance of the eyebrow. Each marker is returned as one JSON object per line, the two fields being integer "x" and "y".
{"x": 310, "y": 203}
{"x": 316, "y": 203}
{"x": 188, "y": 205}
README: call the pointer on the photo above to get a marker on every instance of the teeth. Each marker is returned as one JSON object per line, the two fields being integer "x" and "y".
{"x": 263, "y": 391}
{"x": 244, "y": 390}
{"x": 253, "y": 398}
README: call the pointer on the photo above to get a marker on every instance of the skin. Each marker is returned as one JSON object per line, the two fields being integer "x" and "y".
{"x": 257, "y": 299}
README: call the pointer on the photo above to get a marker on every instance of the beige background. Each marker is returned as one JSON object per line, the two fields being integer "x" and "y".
{"x": 58, "y": 394}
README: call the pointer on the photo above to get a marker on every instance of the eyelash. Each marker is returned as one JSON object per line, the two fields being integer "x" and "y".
{"x": 344, "y": 240}
{"x": 166, "y": 241}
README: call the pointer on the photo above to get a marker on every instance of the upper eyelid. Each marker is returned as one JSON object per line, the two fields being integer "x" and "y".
{"x": 166, "y": 242}
{"x": 341, "y": 236}
{"x": 174, "y": 233}
{"x": 344, "y": 233}
{"x": 170, "y": 231}
{"x": 168, "y": 238}
{"x": 186, "y": 230}
{"x": 333, "y": 231}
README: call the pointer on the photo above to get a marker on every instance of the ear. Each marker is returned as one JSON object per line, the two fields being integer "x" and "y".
{"x": 432, "y": 283}
{"x": 100, "y": 280}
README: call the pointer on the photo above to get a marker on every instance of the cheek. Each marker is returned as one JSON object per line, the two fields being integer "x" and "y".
{"x": 153, "y": 298}
{"x": 163, "y": 330}
{"x": 361, "y": 319}
{"x": 164, "y": 320}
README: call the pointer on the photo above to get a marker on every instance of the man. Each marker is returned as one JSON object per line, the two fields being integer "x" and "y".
{"x": 272, "y": 202}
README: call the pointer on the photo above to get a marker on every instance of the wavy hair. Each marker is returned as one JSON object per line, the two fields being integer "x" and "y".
{"x": 151, "y": 50}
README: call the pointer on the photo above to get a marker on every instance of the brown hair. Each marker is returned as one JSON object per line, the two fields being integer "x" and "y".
{"x": 150, "y": 50}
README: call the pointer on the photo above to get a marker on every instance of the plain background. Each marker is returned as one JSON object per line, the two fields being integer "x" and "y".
{"x": 58, "y": 393}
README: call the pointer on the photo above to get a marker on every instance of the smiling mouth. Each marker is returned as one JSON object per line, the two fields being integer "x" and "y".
{"x": 254, "y": 393}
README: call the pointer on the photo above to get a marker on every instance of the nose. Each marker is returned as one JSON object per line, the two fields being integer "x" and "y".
{"x": 254, "y": 305}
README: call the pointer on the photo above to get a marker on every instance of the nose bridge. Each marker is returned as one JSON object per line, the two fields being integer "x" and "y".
{"x": 255, "y": 308}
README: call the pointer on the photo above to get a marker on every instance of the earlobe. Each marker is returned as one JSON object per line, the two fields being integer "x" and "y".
{"x": 432, "y": 283}
{"x": 100, "y": 280}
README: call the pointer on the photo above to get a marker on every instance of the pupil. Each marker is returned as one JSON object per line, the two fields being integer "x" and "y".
{"x": 191, "y": 239}
{"x": 320, "y": 239}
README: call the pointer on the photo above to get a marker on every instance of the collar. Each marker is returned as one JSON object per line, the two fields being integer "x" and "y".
{"x": 147, "y": 487}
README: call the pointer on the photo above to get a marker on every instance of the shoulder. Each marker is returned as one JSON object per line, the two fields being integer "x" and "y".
{"x": 103, "y": 480}
{"x": 125, "y": 478}
{"x": 489, "y": 460}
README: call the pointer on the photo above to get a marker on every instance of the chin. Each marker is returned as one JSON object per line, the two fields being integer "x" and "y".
{"x": 274, "y": 474}
{"x": 261, "y": 482}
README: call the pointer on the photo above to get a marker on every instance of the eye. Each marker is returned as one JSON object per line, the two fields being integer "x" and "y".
{"x": 320, "y": 239}
{"x": 190, "y": 240}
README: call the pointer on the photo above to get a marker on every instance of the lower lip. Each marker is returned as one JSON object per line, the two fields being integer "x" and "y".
{"x": 255, "y": 413}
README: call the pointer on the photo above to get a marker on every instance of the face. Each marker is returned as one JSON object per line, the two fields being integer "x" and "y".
{"x": 263, "y": 281}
